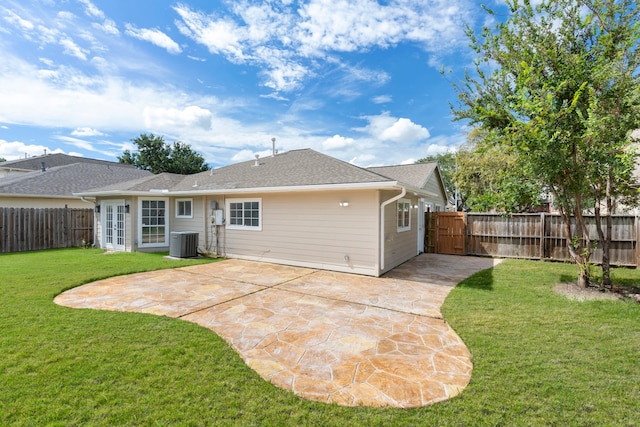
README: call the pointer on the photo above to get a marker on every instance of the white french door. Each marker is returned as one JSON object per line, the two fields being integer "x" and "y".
{"x": 113, "y": 220}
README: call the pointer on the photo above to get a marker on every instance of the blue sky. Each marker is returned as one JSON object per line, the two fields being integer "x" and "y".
{"x": 355, "y": 79}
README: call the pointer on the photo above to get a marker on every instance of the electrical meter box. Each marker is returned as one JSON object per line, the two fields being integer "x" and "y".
{"x": 217, "y": 217}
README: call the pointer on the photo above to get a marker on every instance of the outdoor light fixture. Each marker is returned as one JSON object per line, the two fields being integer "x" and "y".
{"x": 344, "y": 204}
{"x": 126, "y": 208}
{"x": 97, "y": 209}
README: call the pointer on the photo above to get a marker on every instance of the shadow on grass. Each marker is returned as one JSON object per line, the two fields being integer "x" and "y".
{"x": 482, "y": 280}
{"x": 568, "y": 278}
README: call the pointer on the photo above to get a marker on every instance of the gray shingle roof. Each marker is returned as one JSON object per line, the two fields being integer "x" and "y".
{"x": 296, "y": 168}
{"x": 415, "y": 175}
{"x": 68, "y": 179}
{"x": 163, "y": 181}
{"x": 54, "y": 160}
{"x": 291, "y": 169}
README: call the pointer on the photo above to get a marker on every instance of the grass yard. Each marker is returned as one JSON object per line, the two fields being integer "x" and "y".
{"x": 539, "y": 358}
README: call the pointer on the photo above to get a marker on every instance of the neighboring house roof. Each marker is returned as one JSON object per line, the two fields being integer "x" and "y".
{"x": 53, "y": 160}
{"x": 63, "y": 181}
{"x": 296, "y": 169}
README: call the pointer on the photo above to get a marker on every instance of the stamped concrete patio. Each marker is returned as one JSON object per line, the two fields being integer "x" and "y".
{"x": 330, "y": 337}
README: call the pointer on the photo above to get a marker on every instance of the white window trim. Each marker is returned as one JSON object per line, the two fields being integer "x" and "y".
{"x": 403, "y": 202}
{"x": 166, "y": 223}
{"x": 230, "y": 226}
{"x": 178, "y": 210}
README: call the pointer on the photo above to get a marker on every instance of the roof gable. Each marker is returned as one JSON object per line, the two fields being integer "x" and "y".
{"x": 416, "y": 175}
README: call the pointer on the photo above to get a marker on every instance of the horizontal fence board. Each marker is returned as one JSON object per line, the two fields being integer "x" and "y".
{"x": 29, "y": 229}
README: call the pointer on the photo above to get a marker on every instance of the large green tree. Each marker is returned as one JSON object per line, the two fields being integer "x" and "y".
{"x": 482, "y": 177}
{"x": 557, "y": 83}
{"x": 489, "y": 177}
{"x": 157, "y": 156}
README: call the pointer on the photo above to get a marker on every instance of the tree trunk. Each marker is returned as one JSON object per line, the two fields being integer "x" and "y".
{"x": 576, "y": 246}
{"x": 606, "y": 244}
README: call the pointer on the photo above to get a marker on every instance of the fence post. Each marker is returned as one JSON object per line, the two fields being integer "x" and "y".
{"x": 637, "y": 239}
{"x": 542, "y": 235}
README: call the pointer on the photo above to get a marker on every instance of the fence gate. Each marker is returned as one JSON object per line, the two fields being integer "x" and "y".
{"x": 449, "y": 233}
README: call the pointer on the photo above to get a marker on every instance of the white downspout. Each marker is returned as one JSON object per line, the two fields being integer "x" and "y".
{"x": 382, "y": 206}
{"x": 95, "y": 231}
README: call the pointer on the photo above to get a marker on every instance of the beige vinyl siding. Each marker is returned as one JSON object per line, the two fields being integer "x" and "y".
{"x": 312, "y": 229}
{"x": 398, "y": 246}
{"x": 195, "y": 224}
{"x": 434, "y": 186}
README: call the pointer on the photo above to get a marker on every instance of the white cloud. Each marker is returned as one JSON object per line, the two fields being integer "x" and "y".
{"x": 86, "y": 131}
{"x": 363, "y": 160}
{"x": 387, "y": 128}
{"x": 437, "y": 149}
{"x": 337, "y": 142}
{"x": 289, "y": 41}
{"x": 91, "y": 9}
{"x": 14, "y": 150}
{"x": 243, "y": 155}
{"x": 76, "y": 142}
{"x": 404, "y": 130}
{"x": 108, "y": 26}
{"x": 72, "y": 49}
{"x": 154, "y": 36}
{"x": 382, "y": 99}
{"x": 191, "y": 116}
{"x": 221, "y": 36}
{"x": 17, "y": 21}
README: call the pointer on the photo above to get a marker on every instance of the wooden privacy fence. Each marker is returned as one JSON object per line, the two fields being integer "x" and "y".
{"x": 29, "y": 229}
{"x": 528, "y": 236}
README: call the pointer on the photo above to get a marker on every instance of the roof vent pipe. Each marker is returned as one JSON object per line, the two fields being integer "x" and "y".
{"x": 257, "y": 163}
{"x": 273, "y": 147}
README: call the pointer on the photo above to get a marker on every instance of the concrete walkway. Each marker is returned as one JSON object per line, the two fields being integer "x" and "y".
{"x": 331, "y": 337}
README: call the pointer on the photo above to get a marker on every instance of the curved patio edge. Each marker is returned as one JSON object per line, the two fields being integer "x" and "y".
{"x": 329, "y": 337}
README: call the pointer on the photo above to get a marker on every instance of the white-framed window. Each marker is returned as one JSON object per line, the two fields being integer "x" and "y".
{"x": 184, "y": 208}
{"x": 154, "y": 223}
{"x": 404, "y": 215}
{"x": 244, "y": 214}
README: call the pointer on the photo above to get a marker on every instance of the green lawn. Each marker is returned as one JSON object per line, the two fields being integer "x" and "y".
{"x": 539, "y": 358}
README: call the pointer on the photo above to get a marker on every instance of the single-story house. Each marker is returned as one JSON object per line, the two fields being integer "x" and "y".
{"x": 298, "y": 208}
{"x": 53, "y": 187}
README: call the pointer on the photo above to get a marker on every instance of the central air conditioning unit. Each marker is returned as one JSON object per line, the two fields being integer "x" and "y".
{"x": 184, "y": 244}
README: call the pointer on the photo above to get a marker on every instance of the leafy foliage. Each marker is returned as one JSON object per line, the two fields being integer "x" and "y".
{"x": 487, "y": 177}
{"x": 490, "y": 177}
{"x": 558, "y": 85}
{"x": 157, "y": 156}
